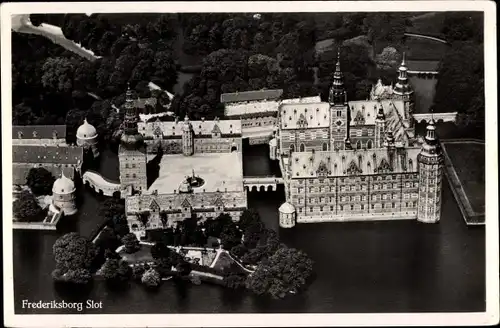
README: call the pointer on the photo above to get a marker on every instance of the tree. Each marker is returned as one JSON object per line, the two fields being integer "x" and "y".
{"x": 111, "y": 207}
{"x": 461, "y": 80}
{"x": 230, "y": 237}
{"x": 248, "y": 217}
{"x": 160, "y": 250}
{"x": 115, "y": 270}
{"x": 137, "y": 272}
{"x": 74, "y": 256}
{"x": 215, "y": 227}
{"x": 131, "y": 243}
{"x": 284, "y": 272}
{"x": 385, "y": 28}
{"x": 58, "y": 74}
{"x": 183, "y": 268}
{"x": 239, "y": 250}
{"x": 463, "y": 26}
{"x": 107, "y": 239}
{"x": 151, "y": 278}
{"x": 26, "y": 208}
{"x": 22, "y": 114}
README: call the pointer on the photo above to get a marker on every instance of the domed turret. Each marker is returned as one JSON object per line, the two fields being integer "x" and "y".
{"x": 63, "y": 195}
{"x": 86, "y": 131}
{"x": 287, "y": 215}
{"x": 63, "y": 185}
{"x": 86, "y": 137}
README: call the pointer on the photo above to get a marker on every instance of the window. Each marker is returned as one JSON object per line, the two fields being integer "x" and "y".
{"x": 339, "y": 113}
{"x": 302, "y": 147}
{"x": 133, "y": 175}
{"x": 369, "y": 144}
{"x": 127, "y": 175}
{"x": 292, "y": 148}
{"x": 325, "y": 147}
{"x": 126, "y": 165}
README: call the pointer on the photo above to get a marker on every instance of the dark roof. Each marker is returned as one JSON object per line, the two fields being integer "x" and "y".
{"x": 251, "y": 95}
{"x": 423, "y": 65}
{"x": 38, "y": 131}
{"x": 46, "y": 154}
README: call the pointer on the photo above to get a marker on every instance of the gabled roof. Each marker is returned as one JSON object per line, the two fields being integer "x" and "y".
{"x": 271, "y": 94}
{"x": 150, "y": 129}
{"x": 197, "y": 201}
{"x": 348, "y": 162}
{"x": 317, "y": 115}
{"x": 38, "y": 131}
{"x": 46, "y": 154}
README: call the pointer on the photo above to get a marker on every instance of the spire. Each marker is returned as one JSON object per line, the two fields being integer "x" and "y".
{"x": 402, "y": 86}
{"x": 337, "y": 93}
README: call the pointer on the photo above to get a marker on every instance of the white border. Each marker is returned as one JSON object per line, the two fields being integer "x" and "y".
{"x": 491, "y": 316}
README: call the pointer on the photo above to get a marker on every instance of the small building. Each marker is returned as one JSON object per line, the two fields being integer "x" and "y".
{"x": 287, "y": 215}
{"x": 63, "y": 195}
{"x": 87, "y": 137}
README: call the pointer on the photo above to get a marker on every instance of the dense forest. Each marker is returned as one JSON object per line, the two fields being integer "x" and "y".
{"x": 233, "y": 52}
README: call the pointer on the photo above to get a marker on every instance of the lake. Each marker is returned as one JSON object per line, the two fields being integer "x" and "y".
{"x": 399, "y": 266}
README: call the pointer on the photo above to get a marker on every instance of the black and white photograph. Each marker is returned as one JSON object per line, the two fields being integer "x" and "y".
{"x": 282, "y": 163}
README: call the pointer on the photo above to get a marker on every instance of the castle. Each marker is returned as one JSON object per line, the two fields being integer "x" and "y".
{"x": 200, "y": 170}
{"x": 357, "y": 160}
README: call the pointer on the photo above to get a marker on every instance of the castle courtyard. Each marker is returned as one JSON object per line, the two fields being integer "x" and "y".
{"x": 219, "y": 171}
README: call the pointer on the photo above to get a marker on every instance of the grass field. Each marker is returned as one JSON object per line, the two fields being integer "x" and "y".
{"x": 428, "y": 24}
{"x": 423, "y": 49}
{"x": 142, "y": 255}
{"x": 468, "y": 160}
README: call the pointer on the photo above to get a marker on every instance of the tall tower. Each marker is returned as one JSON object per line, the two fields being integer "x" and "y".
{"x": 132, "y": 151}
{"x": 187, "y": 138}
{"x": 430, "y": 167}
{"x": 339, "y": 110}
{"x": 380, "y": 124}
{"x": 404, "y": 91}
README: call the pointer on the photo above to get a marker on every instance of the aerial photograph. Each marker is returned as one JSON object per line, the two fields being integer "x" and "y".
{"x": 273, "y": 162}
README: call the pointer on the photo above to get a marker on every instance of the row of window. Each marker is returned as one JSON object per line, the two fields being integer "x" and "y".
{"x": 364, "y": 178}
{"x": 357, "y": 198}
{"x": 358, "y": 187}
{"x": 357, "y": 207}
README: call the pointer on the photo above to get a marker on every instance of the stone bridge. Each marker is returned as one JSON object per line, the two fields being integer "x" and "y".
{"x": 100, "y": 184}
{"x": 263, "y": 183}
{"x": 443, "y": 117}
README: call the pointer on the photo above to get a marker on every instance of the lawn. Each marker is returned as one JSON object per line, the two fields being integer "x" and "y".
{"x": 427, "y": 24}
{"x": 142, "y": 255}
{"x": 226, "y": 264}
{"x": 468, "y": 160}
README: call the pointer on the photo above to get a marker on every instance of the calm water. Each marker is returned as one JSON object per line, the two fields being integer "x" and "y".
{"x": 359, "y": 267}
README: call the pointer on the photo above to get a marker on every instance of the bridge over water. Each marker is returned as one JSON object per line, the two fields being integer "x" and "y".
{"x": 444, "y": 117}
{"x": 100, "y": 184}
{"x": 262, "y": 183}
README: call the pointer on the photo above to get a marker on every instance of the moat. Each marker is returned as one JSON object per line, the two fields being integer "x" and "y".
{"x": 398, "y": 266}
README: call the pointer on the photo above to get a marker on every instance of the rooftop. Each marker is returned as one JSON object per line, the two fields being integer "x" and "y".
{"x": 313, "y": 115}
{"x": 360, "y": 162}
{"x": 38, "y": 131}
{"x": 220, "y": 171}
{"x": 199, "y": 127}
{"x": 252, "y": 108}
{"x": 46, "y": 154}
{"x": 271, "y": 94}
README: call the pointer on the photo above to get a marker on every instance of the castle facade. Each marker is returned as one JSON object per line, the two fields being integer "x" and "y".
{"x": 200, "y": 170}
{"x": 358, "y": 160}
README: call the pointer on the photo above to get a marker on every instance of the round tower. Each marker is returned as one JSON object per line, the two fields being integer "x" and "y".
{"x": 430, "y": 168}
{"x": 63, "y": 195}
{"x": 287, "y": 215}
{"x": 187, "y": 138}
{"x": 86, "y": 137}
{"x": 273, "y": 149}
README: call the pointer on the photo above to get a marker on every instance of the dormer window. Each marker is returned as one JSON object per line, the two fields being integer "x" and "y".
{"x": 35, "y": 134}
{"x": 20, "y": 134}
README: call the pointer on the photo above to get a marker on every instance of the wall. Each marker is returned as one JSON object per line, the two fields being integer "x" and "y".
{"x": 368, "y": 195}
{"x": 311, "y": 138}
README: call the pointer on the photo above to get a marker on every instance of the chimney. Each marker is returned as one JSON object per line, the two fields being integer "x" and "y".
{"x": 203, "y": 119}
{"x": 176, "y": 119}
